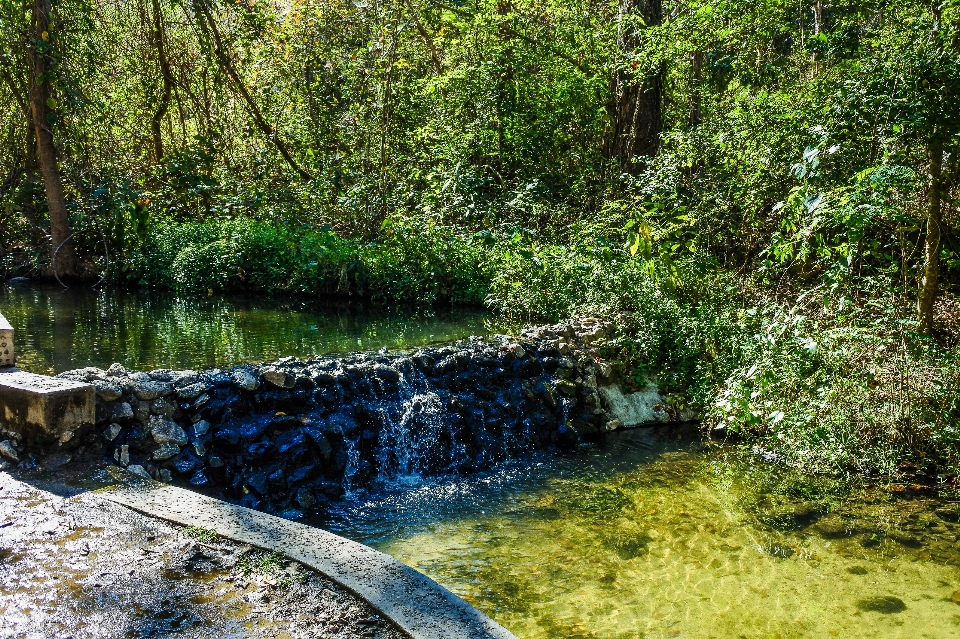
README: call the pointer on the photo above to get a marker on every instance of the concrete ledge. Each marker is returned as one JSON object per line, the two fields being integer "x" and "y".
{"x": 8, "y": 356}
{"x": 44, "y": 410}
{"x": 417, "y": 604}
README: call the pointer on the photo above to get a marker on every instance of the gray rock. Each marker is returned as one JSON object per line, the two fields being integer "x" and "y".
{"x": 185, "y": 378}
{"x": 277, "y": 377}
{"x": 215, "y": 461}
{"x": 137, "y": 469}
{"x": 199, "y": 449}
{"x": 166, "y": 451}
{"x": 112, "y": 431}
{"x": 8, "y": 451}
{"x": 86, "y": 375}
{"x": 193, "y": 390}
{"x": 162, "y": 406}
{"x": 245, "y": 380}
{"x": 164, "y": 430}
{"x": 201, "y": 428}
{"x": 166, "y": 476}
{"x": 150, "y": 390}
{"x": 116, "y": 370}
{"x": 122, "y": 455}
{"x": 107, "y": 391}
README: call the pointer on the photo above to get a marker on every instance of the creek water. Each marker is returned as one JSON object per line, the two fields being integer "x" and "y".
{"x": 653, "y": 534}
{"x": 58, "y": 330}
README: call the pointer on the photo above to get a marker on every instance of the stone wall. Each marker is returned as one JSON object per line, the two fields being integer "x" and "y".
{"x": 285, "y": 436}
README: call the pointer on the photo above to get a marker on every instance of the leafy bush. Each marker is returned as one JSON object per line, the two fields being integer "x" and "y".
{"x": 417, "y": 261}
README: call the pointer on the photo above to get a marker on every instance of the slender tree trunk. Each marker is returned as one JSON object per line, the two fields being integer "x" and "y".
{"x": 209, "y": 27}
{"x": 43, "y": 117}
{"x": 635, "y": 110}
{"x": 931, "y": 244}
{"x": 696, "y": 93}
{"x": 166, "y": 78}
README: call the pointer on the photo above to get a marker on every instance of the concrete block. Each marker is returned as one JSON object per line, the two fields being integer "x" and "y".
{"x": 7, "y": 355}
{"x": 44, "y": 410}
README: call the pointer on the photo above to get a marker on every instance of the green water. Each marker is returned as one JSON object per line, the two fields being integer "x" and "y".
{"x": 58, "y": 330}
{"x": 651, "y": 535}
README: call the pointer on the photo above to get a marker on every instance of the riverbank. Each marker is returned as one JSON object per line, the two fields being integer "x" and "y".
{"x": 74, "y": 563}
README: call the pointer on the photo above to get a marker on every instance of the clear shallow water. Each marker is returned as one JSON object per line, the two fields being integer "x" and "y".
{"x": 651, "y": 536}
{"x": 58, "y": 330}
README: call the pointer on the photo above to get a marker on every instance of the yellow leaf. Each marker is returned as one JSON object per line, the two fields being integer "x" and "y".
{"x": 46, "y": 36}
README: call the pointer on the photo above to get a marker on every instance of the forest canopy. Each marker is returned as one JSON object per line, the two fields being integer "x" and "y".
{"x": 765, "y": 189}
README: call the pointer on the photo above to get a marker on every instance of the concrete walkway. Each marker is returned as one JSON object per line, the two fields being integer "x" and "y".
{"x": 73, "y": 564}
{"x": 413, "y": 601}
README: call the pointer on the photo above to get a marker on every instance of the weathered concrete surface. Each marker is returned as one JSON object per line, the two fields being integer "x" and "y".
{"x": 42, "y": 410}
{"x": 73, "y": 564}
{"x": 413, "y": 601}
{"x": 8, "y": 356}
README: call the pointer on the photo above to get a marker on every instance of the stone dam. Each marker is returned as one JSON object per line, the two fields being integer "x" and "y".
{"x": 286, "y": 437}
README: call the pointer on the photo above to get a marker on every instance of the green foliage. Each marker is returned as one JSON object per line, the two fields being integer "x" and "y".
{"x": 461, "y": 153}
{"x": 420, "y": 261}
{"x": 203, "y": 535}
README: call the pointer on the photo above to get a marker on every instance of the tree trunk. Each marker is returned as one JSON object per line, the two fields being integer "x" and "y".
{"x": 696, "y": 93}
{"x": 64, "y": 261}
{"x": 931, "y": 244}
{"x": 166, "y": 78}
{"x": 209, "y": 28}
{"x": 635, "y": 108}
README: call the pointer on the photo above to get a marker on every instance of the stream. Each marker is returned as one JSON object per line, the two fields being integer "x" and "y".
{"x": 654, "y": 535}
{"x": 651, "y": 533}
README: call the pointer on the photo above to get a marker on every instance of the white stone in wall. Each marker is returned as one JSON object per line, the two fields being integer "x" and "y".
{"x": 635, "y": 409}
{"x": 7, "y": 355}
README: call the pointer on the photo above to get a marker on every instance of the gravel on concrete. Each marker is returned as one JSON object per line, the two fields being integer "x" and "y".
{"x": 73, "y": 564}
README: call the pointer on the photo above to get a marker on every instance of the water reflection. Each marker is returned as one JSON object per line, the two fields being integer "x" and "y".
{"x": 59, "y": 330}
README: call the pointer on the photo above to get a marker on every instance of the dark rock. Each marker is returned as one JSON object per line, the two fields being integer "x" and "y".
{"x": 121, "y": 412}
{"x": 302, "y": 474}
{"x": 278, "y": 377}
{"x": 162, "y": 406}
{"x": 884, "y": 605}
{"x": 259, "y": 449}
{"x": 258, "y": 483}
{"x": 226, "y": 437}
{"x": 166, "y": 450}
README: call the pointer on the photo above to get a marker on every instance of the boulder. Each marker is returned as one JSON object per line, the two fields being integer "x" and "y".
{"x": 164, "y": 429}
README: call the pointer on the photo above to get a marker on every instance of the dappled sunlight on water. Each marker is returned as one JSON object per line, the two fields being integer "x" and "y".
{"x": 650, "y": 536}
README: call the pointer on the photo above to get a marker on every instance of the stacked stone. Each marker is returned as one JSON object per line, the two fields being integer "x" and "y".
{"x": 286, "y": 435}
